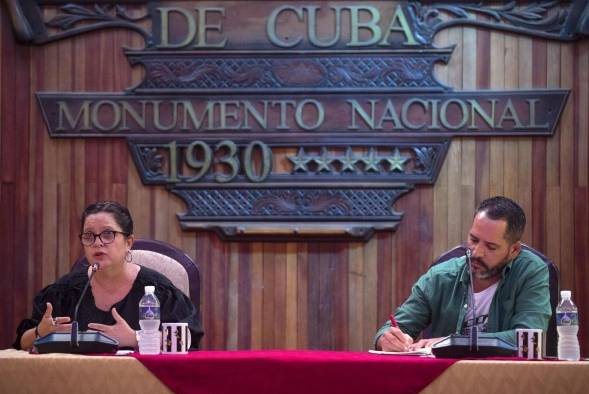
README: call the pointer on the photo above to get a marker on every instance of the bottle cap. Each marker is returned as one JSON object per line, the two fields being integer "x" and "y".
{"x": 565, "y": 294}
{"x": 149, "y": 289}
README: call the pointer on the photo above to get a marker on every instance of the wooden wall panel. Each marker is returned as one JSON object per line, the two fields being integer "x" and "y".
{"x": 307, "y": 295}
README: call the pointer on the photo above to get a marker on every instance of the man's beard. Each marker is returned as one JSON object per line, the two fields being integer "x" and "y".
{"x": 488, "y": 272}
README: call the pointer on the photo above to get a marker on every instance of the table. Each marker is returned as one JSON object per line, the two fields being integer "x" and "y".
{"x": 59, "y": 373}
{"x": 21, "y": 372}
{"x": 512, "y": 377}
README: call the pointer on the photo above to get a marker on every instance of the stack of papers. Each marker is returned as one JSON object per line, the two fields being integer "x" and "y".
{"x": 424, "y": 351}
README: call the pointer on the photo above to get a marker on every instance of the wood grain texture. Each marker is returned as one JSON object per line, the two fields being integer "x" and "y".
{"x": 305, "y": 295}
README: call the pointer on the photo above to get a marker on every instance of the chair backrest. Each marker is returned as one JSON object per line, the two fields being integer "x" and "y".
{"x": 553, "y": 273}
{"x": 168, "y": 260}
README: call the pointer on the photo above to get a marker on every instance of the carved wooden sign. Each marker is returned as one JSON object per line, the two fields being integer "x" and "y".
{"x": 280, "y": 119}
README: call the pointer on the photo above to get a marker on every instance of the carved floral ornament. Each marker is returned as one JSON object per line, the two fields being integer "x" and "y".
{"x": 294, "y": 120}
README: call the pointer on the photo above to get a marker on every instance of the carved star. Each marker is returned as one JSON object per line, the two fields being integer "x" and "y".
{"x": 371, "y": 161}
{"x": 323, "y": 161}
{"x": 300, "y": 161}
{"x": 348, "y": 161}
{"x": 397, "y": 161}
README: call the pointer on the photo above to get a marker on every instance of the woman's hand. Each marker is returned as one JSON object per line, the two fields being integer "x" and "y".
{"x": 48, "y": 324}
{"x": 119, "y": 331}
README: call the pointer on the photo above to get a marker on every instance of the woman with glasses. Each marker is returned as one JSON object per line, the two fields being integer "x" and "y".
{"x": 112, "y": 303}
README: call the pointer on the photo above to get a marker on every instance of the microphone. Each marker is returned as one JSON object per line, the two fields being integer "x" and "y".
{"x": 78, "y": 342}
{"x": 461, "y": 346}
{"x": 74, "y": 336}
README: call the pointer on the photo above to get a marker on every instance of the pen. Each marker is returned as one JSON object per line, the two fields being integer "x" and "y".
{"x": 394, "y": 324}
{"x": 393, "y": 321}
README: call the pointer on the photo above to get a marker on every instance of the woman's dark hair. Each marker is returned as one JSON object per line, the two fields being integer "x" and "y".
{"x": 120, "y": 213}
{"x": 503, "y": 208}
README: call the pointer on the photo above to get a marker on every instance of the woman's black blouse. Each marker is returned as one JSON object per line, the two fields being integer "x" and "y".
{"x": 63, "y": 295}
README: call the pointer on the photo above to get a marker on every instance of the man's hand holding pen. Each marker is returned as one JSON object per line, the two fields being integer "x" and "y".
{"x": 395, "y": 340}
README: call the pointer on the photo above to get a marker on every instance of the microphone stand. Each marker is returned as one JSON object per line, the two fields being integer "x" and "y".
{"x": 474, "y": 329}
{"x": 74, "y": 333}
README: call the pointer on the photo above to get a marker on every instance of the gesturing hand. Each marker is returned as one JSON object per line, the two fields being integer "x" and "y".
{"x": 119, "y": 331}
{"x": 48, "y": 324}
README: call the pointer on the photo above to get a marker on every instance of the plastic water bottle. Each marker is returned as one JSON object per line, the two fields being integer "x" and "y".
{"x": 149, "y": 320}
{"x": 567, "y": 323}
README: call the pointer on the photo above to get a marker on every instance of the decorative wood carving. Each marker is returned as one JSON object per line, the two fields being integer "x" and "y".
{"x": 251, "y": 71}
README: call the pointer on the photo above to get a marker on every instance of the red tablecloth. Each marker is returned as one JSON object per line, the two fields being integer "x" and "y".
{"x": 286, "y": 372}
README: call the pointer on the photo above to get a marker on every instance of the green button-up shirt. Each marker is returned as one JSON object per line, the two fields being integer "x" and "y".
{"x": 440, "y": 299}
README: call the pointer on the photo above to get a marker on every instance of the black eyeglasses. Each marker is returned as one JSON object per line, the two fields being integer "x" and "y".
{"x": 106, "y": 237}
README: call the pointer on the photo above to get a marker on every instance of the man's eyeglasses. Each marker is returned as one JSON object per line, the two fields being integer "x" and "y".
{"x": 106, "y": 237}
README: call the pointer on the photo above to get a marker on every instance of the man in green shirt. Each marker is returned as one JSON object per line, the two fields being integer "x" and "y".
{"x": 511, "y": 286}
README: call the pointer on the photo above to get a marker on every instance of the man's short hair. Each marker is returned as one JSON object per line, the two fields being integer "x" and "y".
{"x": 503, "y": 208}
